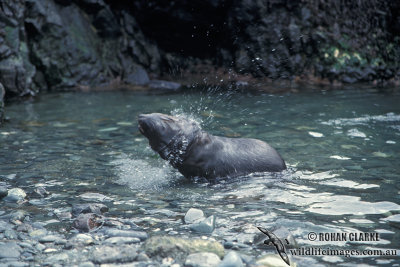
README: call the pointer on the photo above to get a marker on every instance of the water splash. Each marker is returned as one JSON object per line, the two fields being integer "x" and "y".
{"x": 140, "y": 174}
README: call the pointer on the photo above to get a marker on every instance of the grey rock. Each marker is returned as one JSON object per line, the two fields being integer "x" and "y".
{"x": 37, "y": 233}
{"x": 3, "y": 189}
{"x": 94, "y": 197}
{"x": 25, "y": 227}
{"x": 83, "y": 239}
{"x": 49, "y": 238}
{"x": 59, "y": 258}
{"x": 15, "y": 195}
{"x": 194, "y": 215}
{"x": 160, "y": 247}
{"x": 202, "y": 259}
{"x": 86, "y": 264}
{"x": 96, "y": 208}
{"x": 110, "y": 254}
{"x": 232, "y": 259}
{"x": 40, "y": 192}
{"x": 122, "y": 240}
{"x": 205, "y": 226}
{"x": 40, "y": 247}
{"x": 137, "y": 76}
{"x": 4, "y": 226}
{"x": 126, "y": 233}
{"x": 142, "y": 257}
{"x": 164, "y": 85}
{"x": 10, "y": 234}
{"x": 9, "y": 250}
{"x": 16, "y": 264}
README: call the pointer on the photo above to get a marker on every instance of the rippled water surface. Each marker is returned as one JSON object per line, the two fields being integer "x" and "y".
{"x": 342, "y": 149}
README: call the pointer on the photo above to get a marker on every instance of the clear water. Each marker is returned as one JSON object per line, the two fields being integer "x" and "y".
{"x": 342, "y": 149}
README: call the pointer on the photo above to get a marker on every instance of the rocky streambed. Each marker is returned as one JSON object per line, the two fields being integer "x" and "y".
{"x": 86, "y": 235}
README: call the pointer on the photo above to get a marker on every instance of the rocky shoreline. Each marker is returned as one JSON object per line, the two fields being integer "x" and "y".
{"x": 91, "y": 237}
{"x": 65, "y": 45}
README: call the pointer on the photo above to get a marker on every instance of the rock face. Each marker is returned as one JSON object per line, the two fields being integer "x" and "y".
{"x": 60, "y": 45}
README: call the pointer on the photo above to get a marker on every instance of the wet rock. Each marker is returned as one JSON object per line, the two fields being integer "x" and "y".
{"x": 122, "y": 240}
{"x": 178, "y": 248}
{"x": 109, "y": 254}
{"x": 10, "y": 234}
{"x": 24, "y": 228}
{"x": 40, "y": 192}
{"x": 9, "y": 250}
{"x": 87, "y": 221}
{"x": 193, "y": 215}
{"x": 96, "y": 208}
{"x": 125, "y": 233}
{"x": 59, "y": 258}
{"x": 206, "y": 226}
{"x": 49, "y": 238}
{"x": 232, "y": 259}
{"x": 137, "y": 76}
{"x": 4, "y": 226}
{"x": 81, "y": 239}
{"x": 16, "y": 264}
{"x": 142, "y": 257}
{"x": 86, "y": 264}
{"x": 38, "y": 233}
{"x": 164, "y": 85}
{"x": 40, "y": 247}
{"x": 272, "y": 260}
{"x": 15, "y": 195}
{"x": 94, "y": 197}
{"x": 202, "y": 259}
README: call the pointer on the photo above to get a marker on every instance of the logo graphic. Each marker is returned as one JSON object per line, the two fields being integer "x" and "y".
{"x": 275, "y": 241}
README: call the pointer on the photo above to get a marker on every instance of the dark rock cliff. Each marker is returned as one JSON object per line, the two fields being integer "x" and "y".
{"x": 62, "y": 44}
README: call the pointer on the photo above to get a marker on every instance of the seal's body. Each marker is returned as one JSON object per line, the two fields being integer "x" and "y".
{"x": 196, "y": 153}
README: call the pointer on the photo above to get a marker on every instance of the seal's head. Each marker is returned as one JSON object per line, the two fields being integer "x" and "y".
{"x": 168, "y": 135}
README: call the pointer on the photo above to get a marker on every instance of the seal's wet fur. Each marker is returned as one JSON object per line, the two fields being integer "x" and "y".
{"x": 196, "y": 153}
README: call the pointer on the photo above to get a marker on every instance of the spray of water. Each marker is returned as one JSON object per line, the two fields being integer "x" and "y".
{"x": 141, "y": 174}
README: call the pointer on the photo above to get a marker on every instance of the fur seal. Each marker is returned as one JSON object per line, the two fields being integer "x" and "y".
{"x": 196, "y": 153}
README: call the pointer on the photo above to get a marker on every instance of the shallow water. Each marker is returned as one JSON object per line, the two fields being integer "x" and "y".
{"x": 342, "y": 149}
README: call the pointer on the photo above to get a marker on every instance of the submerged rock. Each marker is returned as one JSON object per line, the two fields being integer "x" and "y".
{"x": 15, "y": 195}
{"x": 125, "y": 233}
{"x": 202, "y": 259}
{"x": 110, "y": 254}
{"x": 178, "y": 248}
{"x": 193, "y": 215}
{"x": 232, "y": 259}
{"x": 122, "y": 240}
{"x": 9, "y": 250}
{"x": 81, "y": 239}
{"x": 206, "y": 226}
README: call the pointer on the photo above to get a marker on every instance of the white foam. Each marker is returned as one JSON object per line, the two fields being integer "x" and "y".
{"x": 140, "y": 174}
{"x": 388, "y": 117}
